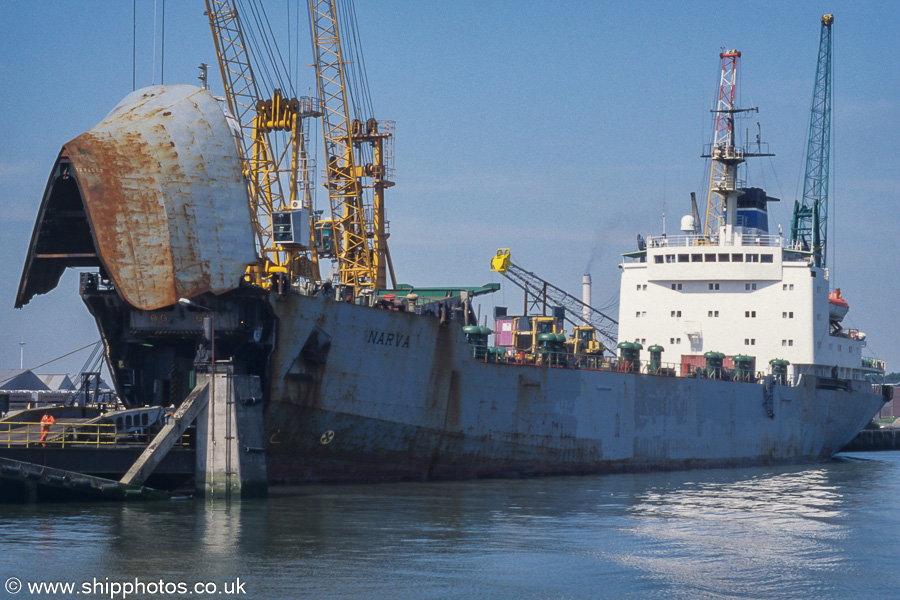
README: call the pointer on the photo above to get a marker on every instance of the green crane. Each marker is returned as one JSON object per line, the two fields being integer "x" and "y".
{"x": 809, "y": 227}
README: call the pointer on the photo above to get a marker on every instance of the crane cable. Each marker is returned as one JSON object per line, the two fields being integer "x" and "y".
{"x": 49, "y": 361}
{"x": 268, "y": 62}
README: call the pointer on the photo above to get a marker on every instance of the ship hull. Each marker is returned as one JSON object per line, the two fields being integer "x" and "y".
{"x": 358, "y": 393}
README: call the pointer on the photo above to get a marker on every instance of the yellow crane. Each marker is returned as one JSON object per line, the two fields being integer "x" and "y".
{"x": 583, "y": 316}
{"x": 357, "y": 229}
{"x": 272, "y": 150}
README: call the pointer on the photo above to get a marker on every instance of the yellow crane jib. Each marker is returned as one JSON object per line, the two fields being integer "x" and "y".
{"x": 358, "y": 229}
{"x": 500, "y": 263}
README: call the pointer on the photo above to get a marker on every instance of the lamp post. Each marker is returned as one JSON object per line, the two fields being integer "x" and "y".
{"x": 212, "y": 341}
{"x": 212, "y": 325}
{"x": 211, "y": 420}
{"x": 21, "y": 355}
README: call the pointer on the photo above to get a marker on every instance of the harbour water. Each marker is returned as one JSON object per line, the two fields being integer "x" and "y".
{"x": 812, "y": 531}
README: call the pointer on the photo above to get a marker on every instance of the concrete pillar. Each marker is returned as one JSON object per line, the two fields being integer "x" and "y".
{"x": 231, "y": 458}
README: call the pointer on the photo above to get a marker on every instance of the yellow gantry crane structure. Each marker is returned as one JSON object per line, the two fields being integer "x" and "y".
{"x": 272, "y": 150}
{"x": 358, "y": 228}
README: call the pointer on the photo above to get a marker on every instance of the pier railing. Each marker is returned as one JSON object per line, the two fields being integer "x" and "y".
{"x": 67, "y": 435}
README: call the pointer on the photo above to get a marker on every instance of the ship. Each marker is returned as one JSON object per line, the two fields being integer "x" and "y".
{"x": 747, "y": 365}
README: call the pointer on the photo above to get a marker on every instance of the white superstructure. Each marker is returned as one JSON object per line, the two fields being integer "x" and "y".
{"x": 731, "y": 286}
{"x": 741, "y": 292}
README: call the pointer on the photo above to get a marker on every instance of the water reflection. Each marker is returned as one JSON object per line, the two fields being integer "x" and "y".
{"x": 774, "y": 534}
{"x": 784, "y": 532}
{"x": 767, "y": 534}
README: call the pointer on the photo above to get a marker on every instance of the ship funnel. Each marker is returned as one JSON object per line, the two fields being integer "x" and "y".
{"x": 586, "y": 298}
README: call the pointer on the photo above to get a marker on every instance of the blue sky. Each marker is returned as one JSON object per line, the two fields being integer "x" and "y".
{"x": 560, "y": 130}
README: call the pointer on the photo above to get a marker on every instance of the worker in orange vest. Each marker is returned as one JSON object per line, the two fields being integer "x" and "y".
{"x": 46, "y": 421}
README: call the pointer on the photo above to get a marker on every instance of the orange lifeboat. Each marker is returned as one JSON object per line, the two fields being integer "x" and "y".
{"x": 837, "y": 306}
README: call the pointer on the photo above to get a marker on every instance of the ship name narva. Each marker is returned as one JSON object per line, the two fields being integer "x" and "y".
{"x": 384, "y": 338}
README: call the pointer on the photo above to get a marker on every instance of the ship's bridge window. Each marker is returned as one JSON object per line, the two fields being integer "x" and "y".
{"x": 683, "y": 258}
{"x": 724, "y": 257}
{"x": 714, "y": 286}
{"x": 753, "y": 258}
{"x": 766, "y": 258}
{"x": 749, "y": 286}
{"x": 670, "y": 258}
{"x": 658, "y": 259}
{"x": 737, "y": 258}
{"x": 676, "y": 286}
{"x": 696, "y": 258}
{"x": 709, "y": 257}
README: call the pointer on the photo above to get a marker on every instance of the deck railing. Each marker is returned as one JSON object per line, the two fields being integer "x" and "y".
{"x": 692, "y": 240}
{"x": 598, "y": 363}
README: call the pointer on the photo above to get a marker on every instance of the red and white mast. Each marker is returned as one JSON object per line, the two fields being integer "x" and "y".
{"x": 726, "y": 157}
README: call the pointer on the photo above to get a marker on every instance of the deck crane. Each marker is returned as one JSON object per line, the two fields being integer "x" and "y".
{"x": 272, "y": 148}
{"x": 577, "y": 312}
{"x": 809, "y": 226}
{"x": 357, "y": 229}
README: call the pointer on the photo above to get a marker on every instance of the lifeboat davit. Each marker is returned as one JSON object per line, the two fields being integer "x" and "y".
{"x": 837, "y": 306}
